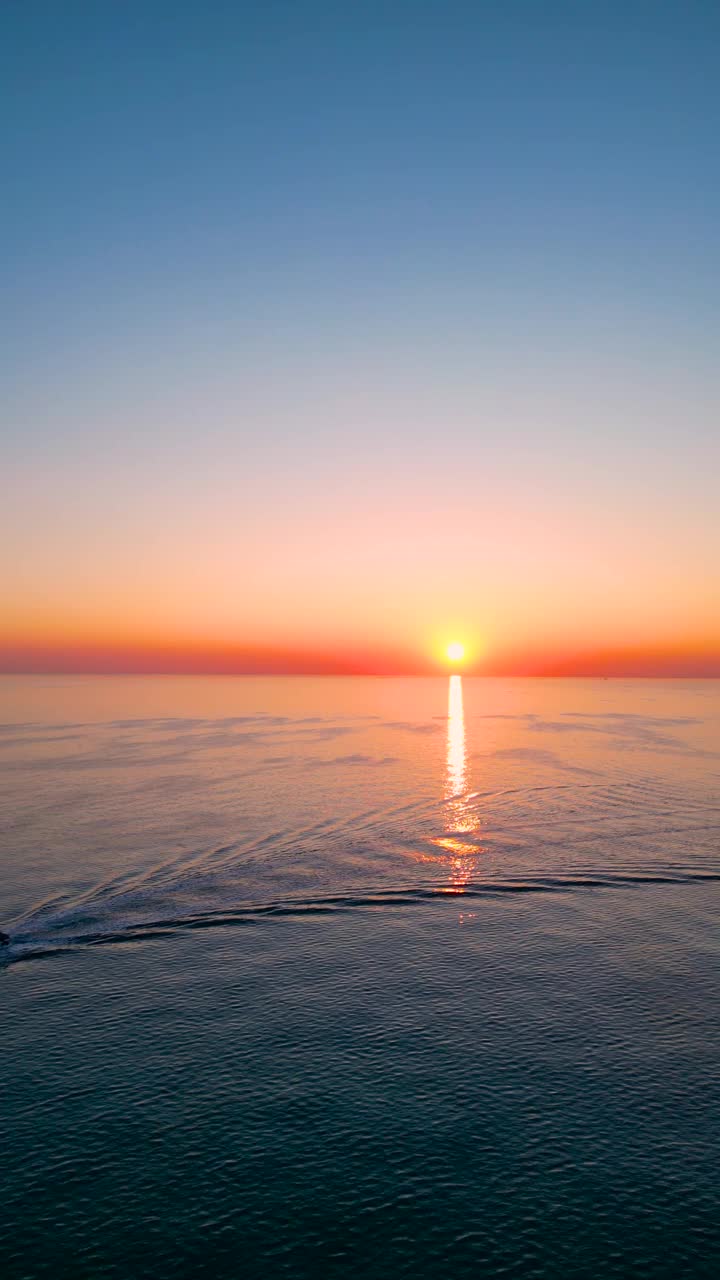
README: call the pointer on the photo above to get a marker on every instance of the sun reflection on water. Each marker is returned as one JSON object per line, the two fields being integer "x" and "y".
{"x": 456, "y": 779}
{"x": 461, "y": 815}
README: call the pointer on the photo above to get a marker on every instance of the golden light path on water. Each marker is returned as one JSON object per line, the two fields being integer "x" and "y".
{"x": 456, "y": 778}
{"x": 461, "y": 815}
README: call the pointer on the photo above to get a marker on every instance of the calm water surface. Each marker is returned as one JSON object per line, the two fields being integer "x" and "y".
{"x": 359, "y": 977}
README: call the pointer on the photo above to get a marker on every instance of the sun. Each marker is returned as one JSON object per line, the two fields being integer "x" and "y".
{"x": 455, "y": 651}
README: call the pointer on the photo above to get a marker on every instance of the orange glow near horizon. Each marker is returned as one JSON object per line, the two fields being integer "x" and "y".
{"x": 48, "y": 651}
{"x": 299, "y": 609}
{"x": 353, "y": 579}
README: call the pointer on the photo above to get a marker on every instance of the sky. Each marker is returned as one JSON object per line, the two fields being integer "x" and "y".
{"x": 333, "y": 333}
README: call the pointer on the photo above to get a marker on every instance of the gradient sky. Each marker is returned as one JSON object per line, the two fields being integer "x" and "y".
{"x": 333, "y": 332}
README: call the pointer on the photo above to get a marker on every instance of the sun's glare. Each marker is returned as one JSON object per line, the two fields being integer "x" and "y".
{"x": 455, "y": 651}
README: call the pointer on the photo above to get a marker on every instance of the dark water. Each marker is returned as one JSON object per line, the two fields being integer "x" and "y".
{"x": 360, "y": 978}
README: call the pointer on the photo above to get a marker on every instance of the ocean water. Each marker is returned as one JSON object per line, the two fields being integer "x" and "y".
{"x": 359, "y": 977}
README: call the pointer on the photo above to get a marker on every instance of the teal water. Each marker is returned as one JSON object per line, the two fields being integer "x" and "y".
{"x": 358, "y": 977}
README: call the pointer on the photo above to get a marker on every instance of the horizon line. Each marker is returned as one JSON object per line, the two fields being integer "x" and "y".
{"x": 438, "y": 673}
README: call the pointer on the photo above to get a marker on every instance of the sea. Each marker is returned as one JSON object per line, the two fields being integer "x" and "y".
{"x": 359, "y": 978}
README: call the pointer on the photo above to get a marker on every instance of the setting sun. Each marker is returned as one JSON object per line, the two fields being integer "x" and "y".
{"x": 456, "y": 651}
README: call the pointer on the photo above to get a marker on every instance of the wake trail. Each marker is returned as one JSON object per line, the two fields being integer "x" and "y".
{"x": 24, "y": 946}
